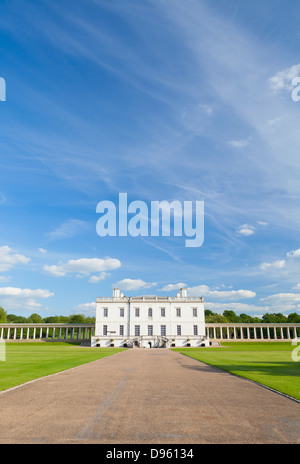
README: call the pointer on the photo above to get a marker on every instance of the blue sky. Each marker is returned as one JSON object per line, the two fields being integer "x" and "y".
{"x": 163, "y": 100}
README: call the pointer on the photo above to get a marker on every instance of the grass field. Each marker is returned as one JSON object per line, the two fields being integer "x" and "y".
{"x": 27, "y": 361}
{"x": 268, "y": 363}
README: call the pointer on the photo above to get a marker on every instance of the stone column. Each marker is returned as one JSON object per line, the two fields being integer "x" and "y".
{"x": 47, "y": 333}
{"x": 53, "y": 333}
{"x": 281, "y": 333}
{"x": 2, "y": 331}
{"x": 34, "y": 333}
{"x": 41, "y": 332}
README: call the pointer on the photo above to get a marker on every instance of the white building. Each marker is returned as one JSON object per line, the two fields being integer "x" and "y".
{"x": 150, "y": 321}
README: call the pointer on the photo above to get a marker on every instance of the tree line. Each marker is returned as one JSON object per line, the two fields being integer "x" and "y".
{"x": 37, "y": 319}
{"x": 210, "y": 317}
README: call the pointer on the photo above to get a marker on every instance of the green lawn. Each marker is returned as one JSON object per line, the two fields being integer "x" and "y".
{"x": 268, "y": 363}
{"x": 27, "y": 361}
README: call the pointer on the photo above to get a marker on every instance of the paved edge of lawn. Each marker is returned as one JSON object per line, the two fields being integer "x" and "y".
{"x": 55, "y": 373}
{"x": 245, "y": 378}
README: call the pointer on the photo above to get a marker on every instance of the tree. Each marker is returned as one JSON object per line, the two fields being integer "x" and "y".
{"x": 35, "y": 319}
{"x": 293, "y": 318}
{"x": 3, "y": 315}
{"x": 231, "y": 316}
{"x": 77, "y": 319}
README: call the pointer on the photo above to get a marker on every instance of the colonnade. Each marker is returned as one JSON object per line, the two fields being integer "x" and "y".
{"x": 81, "y": 332}
{"x": 58, "y": 332}
{"x": 252, "y": 331}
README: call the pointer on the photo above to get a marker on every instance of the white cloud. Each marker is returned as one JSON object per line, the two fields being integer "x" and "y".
{"x": 13, "y": 298}
{"x": 8, "y": 259}
{"x": 262, "y": 223}
{"x": 95, "y": 278}
{"x": 246, "y": 230}
{"x": 279, "y": 264}
{"x": 294, "y": 254}
{"x": 42, "y": 250}
{"x": 232, "y": 294}
{"x": 204, "y": 290}
{"x": 86, "y": 306}
{"x": 283, "y": 297}
{"x": 24, "y": 292}
{"x": 283, "y": 79}
{"x": 171, "y": 287}
{"x": 83, "y": 266}
{"x": 68, "y": 229}
{"x": 5, "y": 278}
{"x": 240, "y": 143}
{"x": 134, "y": 284}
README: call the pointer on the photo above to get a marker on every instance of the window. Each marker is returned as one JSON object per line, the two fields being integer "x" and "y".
{"x": 150, "y": 330}
{"x": 179, "y": 330}
{"x": 137, "y": 330}
{"x": 163, "y": 312}
{"x": 121, "y": 330}
{"x": 105, "y": 312}
{"x": 178, "y": 312}
{"x": 137, "y": 312}
{"x": 163, "y": 330}
{"x": 105, "y": 330}
{"x": 195, "y": 330}
{"x": 150, "y": 312}
{"x": 121, "y": 312}
{"x": 195, "y": 312}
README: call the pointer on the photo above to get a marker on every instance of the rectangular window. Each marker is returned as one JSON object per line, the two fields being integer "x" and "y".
{"x": 150, "y": 330}
{"x": 121, "y": 312}
{"x": 150, "y": 312}
{"x": 179, "y": 330}
{"x": 163, "y": 312}
{"x": 163, "y": 330}
{"x": 195, "y": 312}
{"x": 195, "y": 330}
{"x": 105, "y": 330}
{"x": 105, "y": 312}
{"x": 137, "y": 330}
{"x": 121, "y": 330}
{"x": 178, "y": 312}
{"x": 137, "y": 312}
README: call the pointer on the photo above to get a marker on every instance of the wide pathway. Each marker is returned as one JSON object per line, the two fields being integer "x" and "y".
{"x": 146, "y": 396}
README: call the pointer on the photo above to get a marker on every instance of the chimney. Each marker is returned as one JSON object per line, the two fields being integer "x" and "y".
{"x": 183, "y": 292}
{"x": 116, "y": 293}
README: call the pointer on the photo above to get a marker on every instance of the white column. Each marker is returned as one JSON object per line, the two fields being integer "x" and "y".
{"x": 2, "y": 331}
{"x": 215, "y": 333}
{"x": 60, "y": 331}
{"x": 41, "y": 332}
{"x": 248, "y": 333}
{"x": 53, "y": 333}
{"x": 15, "y": 333}
{"x": 47, "y": 333}
{"x": 242, "y": 334}
{"x": 66, "y": 333}
{"x": 34, "y": 333}
{"x": 281, "y": 333}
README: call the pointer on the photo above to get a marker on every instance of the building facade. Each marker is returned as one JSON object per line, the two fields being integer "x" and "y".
{"x": 150, "y": 321}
